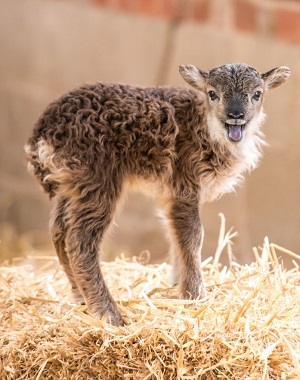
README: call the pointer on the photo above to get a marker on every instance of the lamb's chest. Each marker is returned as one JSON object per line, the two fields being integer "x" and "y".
{"x": 214, "y": 185}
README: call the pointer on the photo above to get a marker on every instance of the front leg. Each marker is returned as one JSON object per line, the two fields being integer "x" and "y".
{"x": 186, "y": 239}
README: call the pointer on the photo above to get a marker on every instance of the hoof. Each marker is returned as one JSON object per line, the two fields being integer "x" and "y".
{"x": 77, "y": 297}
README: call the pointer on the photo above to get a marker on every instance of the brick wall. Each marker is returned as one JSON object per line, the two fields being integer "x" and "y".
{"x": 275, "y": 18}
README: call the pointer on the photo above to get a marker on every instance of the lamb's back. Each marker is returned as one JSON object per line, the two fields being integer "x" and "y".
{"x": 134, "y": 129}
{"x": 110, "y": 109}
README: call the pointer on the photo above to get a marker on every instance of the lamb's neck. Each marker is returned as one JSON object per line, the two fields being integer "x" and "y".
{"x": 228, "y": 165}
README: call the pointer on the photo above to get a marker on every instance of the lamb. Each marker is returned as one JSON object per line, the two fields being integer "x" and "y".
{"x": 191, "y": 145}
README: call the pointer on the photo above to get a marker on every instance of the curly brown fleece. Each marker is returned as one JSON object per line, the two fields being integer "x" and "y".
{"x": 96, "y": 140}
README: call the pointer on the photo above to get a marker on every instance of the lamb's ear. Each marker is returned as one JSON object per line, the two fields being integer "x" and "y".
{"x": 194, "y": 76}
{"x": 276, "y": 77}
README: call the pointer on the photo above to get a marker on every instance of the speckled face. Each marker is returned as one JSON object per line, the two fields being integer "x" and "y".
{"x": 234, "y": 93}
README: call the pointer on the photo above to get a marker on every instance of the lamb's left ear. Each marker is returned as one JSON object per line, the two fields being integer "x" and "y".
{"x": 194, "y": 76}
{"x": 276, "y": 77}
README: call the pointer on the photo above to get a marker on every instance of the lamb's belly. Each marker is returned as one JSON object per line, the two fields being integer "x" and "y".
{"x": 153, "y": 188}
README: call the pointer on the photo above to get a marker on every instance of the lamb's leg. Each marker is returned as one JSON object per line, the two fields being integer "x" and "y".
{"x": 184, "y": 220}
{"x": 58, "y": 233}
{"x": 88, "y": 218}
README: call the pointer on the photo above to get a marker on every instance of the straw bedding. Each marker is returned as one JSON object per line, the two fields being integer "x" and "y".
{"x": 247, "y": 328}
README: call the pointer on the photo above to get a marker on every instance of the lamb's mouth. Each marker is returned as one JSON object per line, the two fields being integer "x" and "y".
{"x": 235, "y": 132}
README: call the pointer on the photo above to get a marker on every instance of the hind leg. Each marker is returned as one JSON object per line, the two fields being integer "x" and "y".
{"x": 89, "y": 217}
{"x": 58, "y": 233}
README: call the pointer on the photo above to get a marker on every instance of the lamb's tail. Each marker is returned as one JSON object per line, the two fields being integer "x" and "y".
{"x": 40, "y": 160}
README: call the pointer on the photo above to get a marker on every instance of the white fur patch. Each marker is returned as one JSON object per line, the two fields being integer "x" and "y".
{"x": 45, "y": 151}
{"x": 30, "y": 167}
{"x": 246, "y": 154}
{"x": 47, "y": 159}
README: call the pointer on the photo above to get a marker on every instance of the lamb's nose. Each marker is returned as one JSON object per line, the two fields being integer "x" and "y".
{"x": 236, "y": 115}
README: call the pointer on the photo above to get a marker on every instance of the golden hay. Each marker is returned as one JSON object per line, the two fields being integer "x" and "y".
{"x": 247, "y": 328}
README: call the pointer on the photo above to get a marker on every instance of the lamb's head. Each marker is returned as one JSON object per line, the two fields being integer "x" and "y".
{"x": 234, "y": 95}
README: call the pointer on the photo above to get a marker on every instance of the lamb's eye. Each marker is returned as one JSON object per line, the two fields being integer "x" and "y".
{"x": 212, "y": 95}
{"x": 257, "y": 95}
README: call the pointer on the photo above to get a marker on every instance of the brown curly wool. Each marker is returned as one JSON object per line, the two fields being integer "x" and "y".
{"x": 189, "y": 145}
{"x": 134, "y": 130}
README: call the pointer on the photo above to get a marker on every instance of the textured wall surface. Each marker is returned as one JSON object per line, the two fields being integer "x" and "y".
{"x": 48, "y": 47}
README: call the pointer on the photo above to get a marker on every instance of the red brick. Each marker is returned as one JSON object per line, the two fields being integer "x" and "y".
{"x": 169, "y": 9}
{"x": 175, "y": 9}
{"x": 100, "y": 2}
{"x": 121, "y": 4}
{"x": 287, "y": 25}
{"x": 151, "y": 8}
{"x": 245, "y": 15}
{"x": 160, "y": 8}
{"x": 201, "y": 10}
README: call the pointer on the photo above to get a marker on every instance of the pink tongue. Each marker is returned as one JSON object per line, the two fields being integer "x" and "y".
{"x": 235, "y": 132}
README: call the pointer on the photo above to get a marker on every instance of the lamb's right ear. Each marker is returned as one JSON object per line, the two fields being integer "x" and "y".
{"x": 276, "y": 77}
{"x": 194, "y": 76}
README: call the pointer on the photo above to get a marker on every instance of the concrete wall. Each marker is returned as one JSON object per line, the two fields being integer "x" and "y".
{"x": 48, "y": 47}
